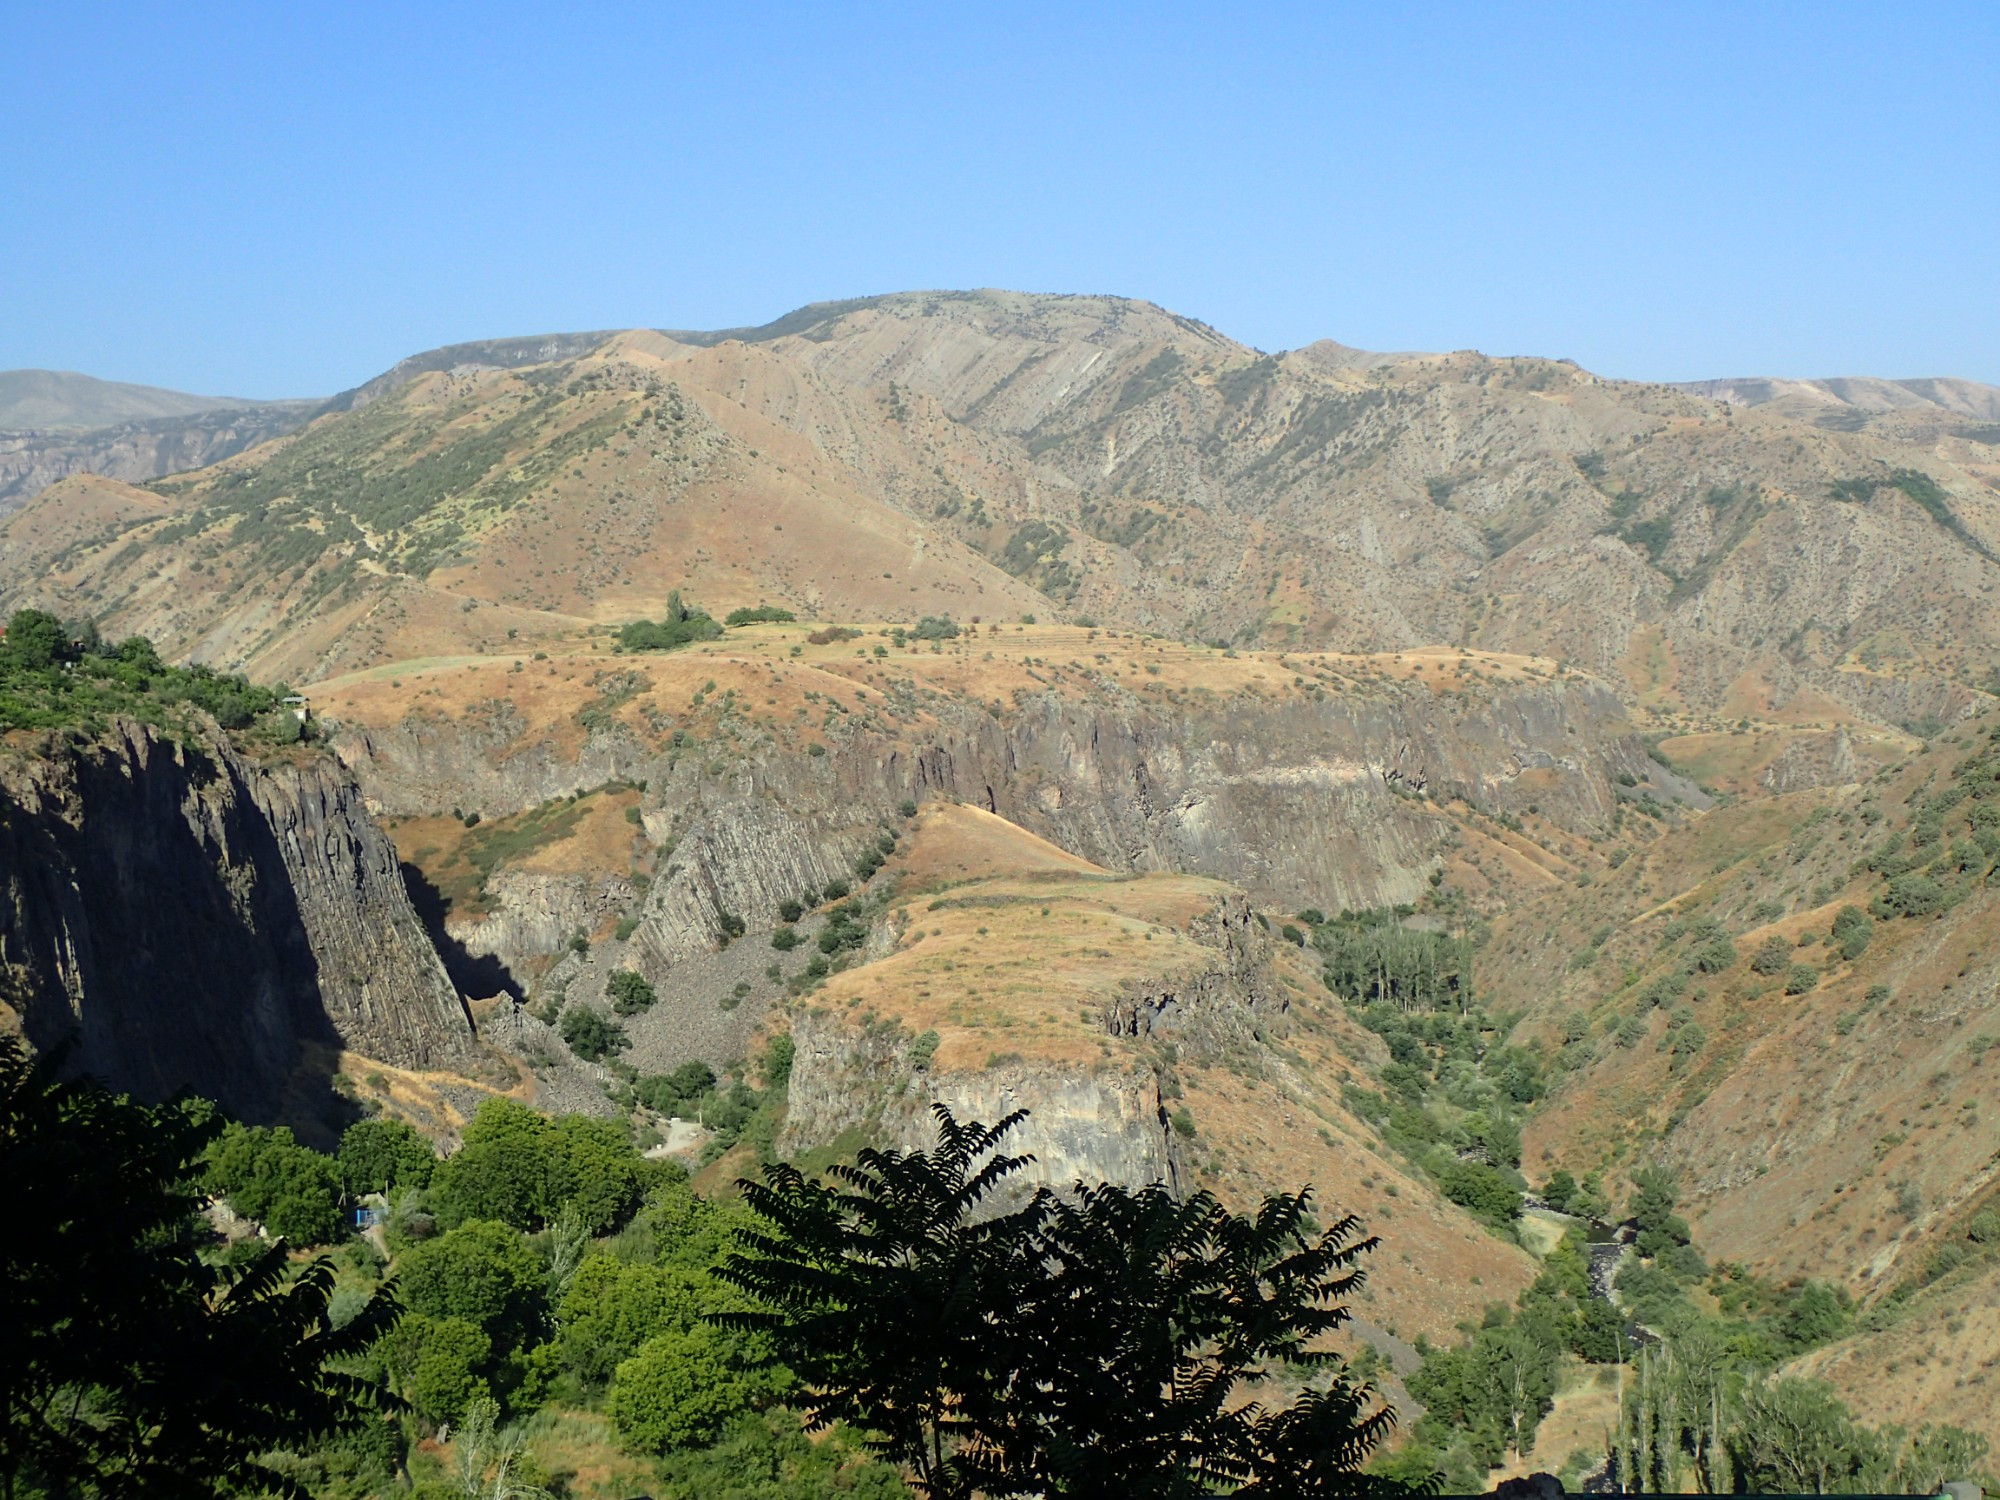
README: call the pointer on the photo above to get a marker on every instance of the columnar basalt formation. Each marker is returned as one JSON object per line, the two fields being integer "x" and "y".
{"x": 196, "y": 920}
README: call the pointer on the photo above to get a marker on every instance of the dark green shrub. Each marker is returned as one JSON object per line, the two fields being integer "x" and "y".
{"x": 1773, "y": 957}
{"x": 762, "y": 614}
{"x": 1713, "y": 956}
{"x": 1913, "y": 896}
{"x": 591, "y": 1034}
{"x": 630, "y": 993}
{"x": 679, "y": 1092}
{"x": 1481, "y": 1190}
{"x": 785, "y": 939}
{"x": 684, "y": 624}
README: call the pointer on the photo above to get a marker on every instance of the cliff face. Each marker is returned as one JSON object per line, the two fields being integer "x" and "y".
{"x": 1091, "y": 1076}
{"x": 32, "y": 461}
{"x": 200, "y": 921}
{"x": 1093, "y": 1125}
{"x": 1299, "y": 803}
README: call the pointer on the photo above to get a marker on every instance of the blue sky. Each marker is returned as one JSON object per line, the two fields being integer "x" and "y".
{"x": 270, "y": 200}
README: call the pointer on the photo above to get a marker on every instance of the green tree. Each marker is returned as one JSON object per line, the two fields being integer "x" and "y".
{"x": 268, "y": 1176}
{"x": 1652, "y": 1212}
{"x": 1795, "y": 1437}
{"x": 682, "y": 1388}
{"x": 500, "y": 1171}
{"x": 1816, "y": 1314}
{"x": 440, "y": 1364}
{"x": 764, "y": 1456}
{"x": 378, "y": 1156}
{"x": 592, "y": 1035}
{"x": 1481, "y": 1189}
{"x": 128, "y": 1366}
{"x": 629, "y": 992}
{"x": 611, "y": 1307}
{"x": 593, "y": 1169}
{"x": 35, "y": 642}
{"x": 482, "y": 1272}
{"x": 679, "y": 1092}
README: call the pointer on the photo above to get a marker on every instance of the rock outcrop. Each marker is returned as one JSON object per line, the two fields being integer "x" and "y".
{"x": 197, "y": 920}
{"x": 1328, "y": 803}
{"x": 1093, "y": 1125}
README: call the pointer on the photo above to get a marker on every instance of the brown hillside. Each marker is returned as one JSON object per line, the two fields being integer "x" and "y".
{"x": 1000, "y": 454}
{"x": 1014, "y": 968}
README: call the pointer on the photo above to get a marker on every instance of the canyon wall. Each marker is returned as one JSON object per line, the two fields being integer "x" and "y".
{"x": 194, "y": 919}
{"x": 1330, "y": 803}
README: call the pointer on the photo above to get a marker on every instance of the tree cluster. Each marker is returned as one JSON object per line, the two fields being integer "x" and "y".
{"x": 682, "y": 625}
{"x": 131, "y": 1364}
{"x": 57, "y": 675}
{"x": 1089, "y": 1343}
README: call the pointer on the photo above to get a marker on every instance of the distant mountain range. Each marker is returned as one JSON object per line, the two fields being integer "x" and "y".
{"x": 1747, "y": 541}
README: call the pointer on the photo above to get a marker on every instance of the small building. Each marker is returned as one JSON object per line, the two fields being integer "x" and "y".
{"x": 301, "y": 710}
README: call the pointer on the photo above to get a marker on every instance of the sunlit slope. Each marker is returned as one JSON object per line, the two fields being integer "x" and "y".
{"x": 1037, "y": 978}
{"x": 1000, "y": 454}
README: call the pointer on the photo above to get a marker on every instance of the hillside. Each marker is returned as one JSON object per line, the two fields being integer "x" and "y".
{"x": 1794, "y": 1002}
{"x": 1000, "y": 453}
{"x": 1414, "y": 774}
{"x": 61, "y": 401}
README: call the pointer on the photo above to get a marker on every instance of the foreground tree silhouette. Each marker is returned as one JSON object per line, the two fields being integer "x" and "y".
{"x": 128, "y": 1366}
{"x": 1090, "y": 1343}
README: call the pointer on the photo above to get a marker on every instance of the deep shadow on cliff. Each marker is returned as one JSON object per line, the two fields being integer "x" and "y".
{"x": 199, "y": 922}
{"x": 479, "y": 974}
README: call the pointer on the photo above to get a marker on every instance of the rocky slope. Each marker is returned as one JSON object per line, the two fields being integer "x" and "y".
{"x": 1824, "y": 1099}
{"x": 199, "y": 920}
{"x": 1154, "y": 1028}
{"x": 1328, "y": 782}
{"x": 998, "y": 453}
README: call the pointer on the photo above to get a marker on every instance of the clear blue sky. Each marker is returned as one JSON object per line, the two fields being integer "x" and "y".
{"x": 282, "y": 200}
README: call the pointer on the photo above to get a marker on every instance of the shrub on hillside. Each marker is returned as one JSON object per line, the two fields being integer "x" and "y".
{"x": 762, "y": 614}
{"x": 1482, "y": 1190}
{"x": 629, "y": 992}
{"x": 1773, "y": 957}
{"x": 591, "y": 1034}
{"x": 679, "y": 1092}
{"x": 684, "y": 624}
{"x": 1714, "y": 955}
{"x": 1912, "y": 896}
{"x": 1853, "y": 929}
